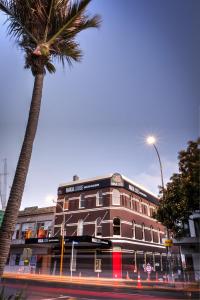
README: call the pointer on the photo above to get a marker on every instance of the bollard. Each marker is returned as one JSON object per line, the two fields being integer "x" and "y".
{"x": 79, "y": 274}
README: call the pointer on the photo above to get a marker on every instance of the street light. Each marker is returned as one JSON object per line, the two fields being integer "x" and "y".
{"x": 62, "y": 238}
{"x": 151, "y": 140}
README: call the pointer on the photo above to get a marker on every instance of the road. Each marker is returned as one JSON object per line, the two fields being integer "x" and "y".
{"x": 53, "y": 291}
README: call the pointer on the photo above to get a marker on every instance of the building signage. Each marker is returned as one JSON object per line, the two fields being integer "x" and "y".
{"x": 99, "y": 241}
{"x": 41, "y": 241}
{"x": 78, "y": 188}
{"x": 117, "y": 180}
{"x": 136, "y": 190}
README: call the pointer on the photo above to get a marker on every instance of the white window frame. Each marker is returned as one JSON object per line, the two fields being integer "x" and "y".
{"x": 99, "y": 196}
{"x": 96, "y": 227}
{"x": 81, "y": 198}
{"x": 116, "y": 197}
{"x": 133, "y": 229}
{"x": 80, "y": 227}
{"x": 143, "y": 232}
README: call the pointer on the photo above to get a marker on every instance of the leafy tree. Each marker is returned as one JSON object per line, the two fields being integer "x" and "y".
{"x": 181, "y": 196}
{"x": 45, "y": 30}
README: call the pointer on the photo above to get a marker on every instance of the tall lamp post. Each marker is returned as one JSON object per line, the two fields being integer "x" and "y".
{"x": 151, "y": 140}
{"x": 62, "y": 233}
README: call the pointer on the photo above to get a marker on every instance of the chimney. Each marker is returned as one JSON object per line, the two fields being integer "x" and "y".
{"x": 75, "y": 178}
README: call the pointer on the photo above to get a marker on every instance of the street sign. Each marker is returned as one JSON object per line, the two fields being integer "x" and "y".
{"x": 148, "y": 268}
{"x": 168, "y": 243}
{"x": 75, "y": 243}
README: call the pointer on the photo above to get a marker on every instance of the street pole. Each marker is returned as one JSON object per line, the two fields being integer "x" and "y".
{"x": 151, "y": 140}
{"x": 62, "y": 249}
{"x": 62, "y": 238}
{"x": 72, "y": 258}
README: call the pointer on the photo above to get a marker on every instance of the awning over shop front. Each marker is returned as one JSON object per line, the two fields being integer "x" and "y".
{"x": 79, "y": 241}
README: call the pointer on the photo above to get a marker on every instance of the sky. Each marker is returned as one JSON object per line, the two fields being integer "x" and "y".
{"x": 139, "y": 76}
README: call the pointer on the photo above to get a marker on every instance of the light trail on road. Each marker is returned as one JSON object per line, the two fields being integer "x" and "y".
{"x": 80, "y": 293}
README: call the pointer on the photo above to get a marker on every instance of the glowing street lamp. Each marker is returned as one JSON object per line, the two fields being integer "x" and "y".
{"x": 151, "y": 140}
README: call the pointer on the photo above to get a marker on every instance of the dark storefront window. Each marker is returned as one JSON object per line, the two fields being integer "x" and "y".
{"x": 116, "y": 226}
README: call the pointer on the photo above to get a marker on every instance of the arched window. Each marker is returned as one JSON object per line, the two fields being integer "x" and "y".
{"x": 115, "y": 197}
{"x": 99, "y": 198}
{"x": 98, "y": 227}
{"x": 116, "y": 226}
{"x": 80, "y": 227}
{"x": 133, "y": 229}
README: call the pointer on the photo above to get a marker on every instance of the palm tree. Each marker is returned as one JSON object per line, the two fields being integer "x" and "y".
{"x": 45, "y": 30}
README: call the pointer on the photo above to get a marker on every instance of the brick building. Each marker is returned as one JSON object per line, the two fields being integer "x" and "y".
{"x": 108, "y": 224}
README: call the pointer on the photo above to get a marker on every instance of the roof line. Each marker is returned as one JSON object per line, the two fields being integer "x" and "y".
{"x": 108, "y": 176}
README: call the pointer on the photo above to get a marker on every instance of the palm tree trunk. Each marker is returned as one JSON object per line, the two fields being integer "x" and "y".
{"x": 14, "y": 202}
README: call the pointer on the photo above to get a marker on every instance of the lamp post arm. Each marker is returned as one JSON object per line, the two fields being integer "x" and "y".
{"x": 161, "y": 169}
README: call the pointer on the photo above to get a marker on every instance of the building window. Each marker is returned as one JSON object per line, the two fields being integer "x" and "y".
{"x": 197, "y": 226}
{"x": 117, "y": 226}
{"x": 98, "y": 227}
{"x": 151, "y": 210}
{"x": 151, "y": 232}
{"x": 159, "y": 236}
{"x": 44, "y": 229}
{"x": 66, "y": 204}
{"x": 136, "y": 205}
{"x": 144, "y": 209}
{"x": 143, "y": 231}
{"x": 131, "y": 203}
{"x": 115, "y": 197}
{"x": 133, "y": 229}
{"x": 28, "y": 230}
{"x": 16, "y": 234}
{"x": 82, "y": 201}
{"x": 80, "y": 227}
{"x": 99, "y": 198}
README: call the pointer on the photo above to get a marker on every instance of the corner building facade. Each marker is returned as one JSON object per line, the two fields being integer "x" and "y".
{"x": 108, "y": 228}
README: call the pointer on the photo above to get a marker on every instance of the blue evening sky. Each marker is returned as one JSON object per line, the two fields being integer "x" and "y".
{"x": 139, "y": 76}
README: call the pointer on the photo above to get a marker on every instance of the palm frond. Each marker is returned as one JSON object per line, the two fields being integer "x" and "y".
{"x": 46, "y": 29}
{"x": 73, "y": 16}
{"x": 16, "y": 26}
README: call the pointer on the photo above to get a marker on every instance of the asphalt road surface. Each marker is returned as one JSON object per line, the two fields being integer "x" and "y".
{"x": 69, "y": 291}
